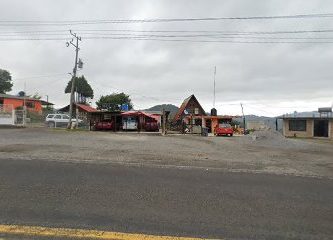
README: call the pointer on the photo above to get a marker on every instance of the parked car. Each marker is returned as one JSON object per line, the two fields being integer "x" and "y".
{"x": 58, "y": 120}
{"x": 103, "y": 126}
{"x": 152, "y": 127}
{"x": 224, "y": 129}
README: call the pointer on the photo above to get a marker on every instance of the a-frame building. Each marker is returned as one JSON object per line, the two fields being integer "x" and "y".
{"x": 190, "y": 106}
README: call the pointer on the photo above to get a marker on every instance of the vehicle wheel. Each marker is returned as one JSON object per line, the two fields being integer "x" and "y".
{"x": 231, "y": 135}
{"x": 51, "y": 124}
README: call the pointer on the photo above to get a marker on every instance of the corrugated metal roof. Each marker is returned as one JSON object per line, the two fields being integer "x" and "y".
{"x": 83, "y": 107}
{"x": 86, "y": 108}
{"x": 140, "y": 113}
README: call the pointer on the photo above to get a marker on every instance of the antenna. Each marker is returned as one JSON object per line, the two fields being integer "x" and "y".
{"x": 25, "y": 103}
{"x": 214, "y": 85}
{"x": 241, "y": 104}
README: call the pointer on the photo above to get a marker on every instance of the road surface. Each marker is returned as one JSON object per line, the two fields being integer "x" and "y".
{"x": 163, "y": 201}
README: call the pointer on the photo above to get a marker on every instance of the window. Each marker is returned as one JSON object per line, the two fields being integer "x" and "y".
{"x": 30, "y": 104}
{"x": 224, "y": 125}
{"x": 65, "y": 117}
{"x": 57, "y": 117}
{"x": 50, "y": 116}
{"x": 297, "y": 125}
{"x": 196, "y": 111}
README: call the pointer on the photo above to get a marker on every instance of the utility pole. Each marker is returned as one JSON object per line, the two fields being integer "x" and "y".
{"x": 243, "y": 117}
{"x": 163, "y": 122}
{"x": 276, "y": 124}
{"x": 76, "y": 45}
{"x": 77, "y": 110}
{"x": 25, "y": 105}
{"x": 47, "y": 102}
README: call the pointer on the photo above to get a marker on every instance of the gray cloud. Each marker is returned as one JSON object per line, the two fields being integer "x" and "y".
{"x": 160, "y": 72}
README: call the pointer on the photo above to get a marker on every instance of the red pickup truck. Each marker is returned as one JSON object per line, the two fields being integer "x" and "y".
{"x": 224, "y": 129}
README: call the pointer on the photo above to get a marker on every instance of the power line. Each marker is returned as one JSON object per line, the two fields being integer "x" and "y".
{"x": 154, "y": 20}
{"x": 214, "y": 36}
{"x": 42, "y": 76}
{"x": 171, "y": 31}
{"x": 165, "y": 40}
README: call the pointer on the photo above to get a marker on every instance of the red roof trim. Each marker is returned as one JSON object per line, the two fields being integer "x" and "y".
{"x": 87, "y": 108}
{"x": 140, "y": 113}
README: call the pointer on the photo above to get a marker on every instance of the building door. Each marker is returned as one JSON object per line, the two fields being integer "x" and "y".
{"x": 320, "y": 128}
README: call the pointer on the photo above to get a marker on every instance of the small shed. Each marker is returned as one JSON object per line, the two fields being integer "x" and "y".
{"x": 145, "y": 121}
{"x": 309, "y": 125}
{"x": 192, "y": 114}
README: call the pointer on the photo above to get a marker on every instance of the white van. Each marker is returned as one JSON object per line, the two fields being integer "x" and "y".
{"x": 129, "y": 123}
{"x": 58, "y": 120}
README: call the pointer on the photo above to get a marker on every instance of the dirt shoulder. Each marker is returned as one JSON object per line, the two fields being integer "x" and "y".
{"x": 267, "y": 152}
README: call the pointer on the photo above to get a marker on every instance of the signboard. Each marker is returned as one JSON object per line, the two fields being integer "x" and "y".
{"x": 124, "y": 107}
{"x": 115, "y": 107}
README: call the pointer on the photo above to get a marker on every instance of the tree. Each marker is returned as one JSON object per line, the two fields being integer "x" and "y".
{"x": 36, "y": 96}
{"x": 234, "y": 123}
{"x": 82, "y": 88}
{"x": 5, "y": 81}
{"x": 21, "y": 94}
{"x": 113, "y": 101}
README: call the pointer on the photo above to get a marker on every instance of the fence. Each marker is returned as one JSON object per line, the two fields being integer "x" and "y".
{"x": 19, "y": 117}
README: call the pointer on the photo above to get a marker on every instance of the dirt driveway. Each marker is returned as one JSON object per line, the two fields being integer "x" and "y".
{"x": 267, "y": 152}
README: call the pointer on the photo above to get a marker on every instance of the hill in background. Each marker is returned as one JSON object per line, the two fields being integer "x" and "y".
{"x": 168, "y": 107}
{"x": 268, "y": 121}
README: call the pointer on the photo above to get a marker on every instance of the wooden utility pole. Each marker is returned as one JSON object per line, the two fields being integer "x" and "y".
{"x": 276, "y": 124}
{"x": 25, "y": 105}
{"x": 164, "y": 122}
{"x": 76, "y": 45}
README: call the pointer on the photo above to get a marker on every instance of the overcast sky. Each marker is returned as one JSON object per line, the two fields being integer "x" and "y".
{"x": 269, "y": 78}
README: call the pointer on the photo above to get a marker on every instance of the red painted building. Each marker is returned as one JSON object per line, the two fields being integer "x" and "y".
{"x": 32, "y": 104}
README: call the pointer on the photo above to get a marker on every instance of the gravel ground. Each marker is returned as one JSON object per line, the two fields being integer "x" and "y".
{"x": 262, "y": 151}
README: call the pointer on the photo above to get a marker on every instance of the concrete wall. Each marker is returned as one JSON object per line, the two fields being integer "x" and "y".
{"x": 307, "y": 134}
{"x": 256, "y": 125}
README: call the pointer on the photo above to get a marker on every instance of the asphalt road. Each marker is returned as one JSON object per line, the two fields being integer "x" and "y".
{"x": 165, "y": 201}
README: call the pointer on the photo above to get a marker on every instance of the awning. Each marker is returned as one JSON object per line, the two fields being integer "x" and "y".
{"x": 140, "y": 113}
